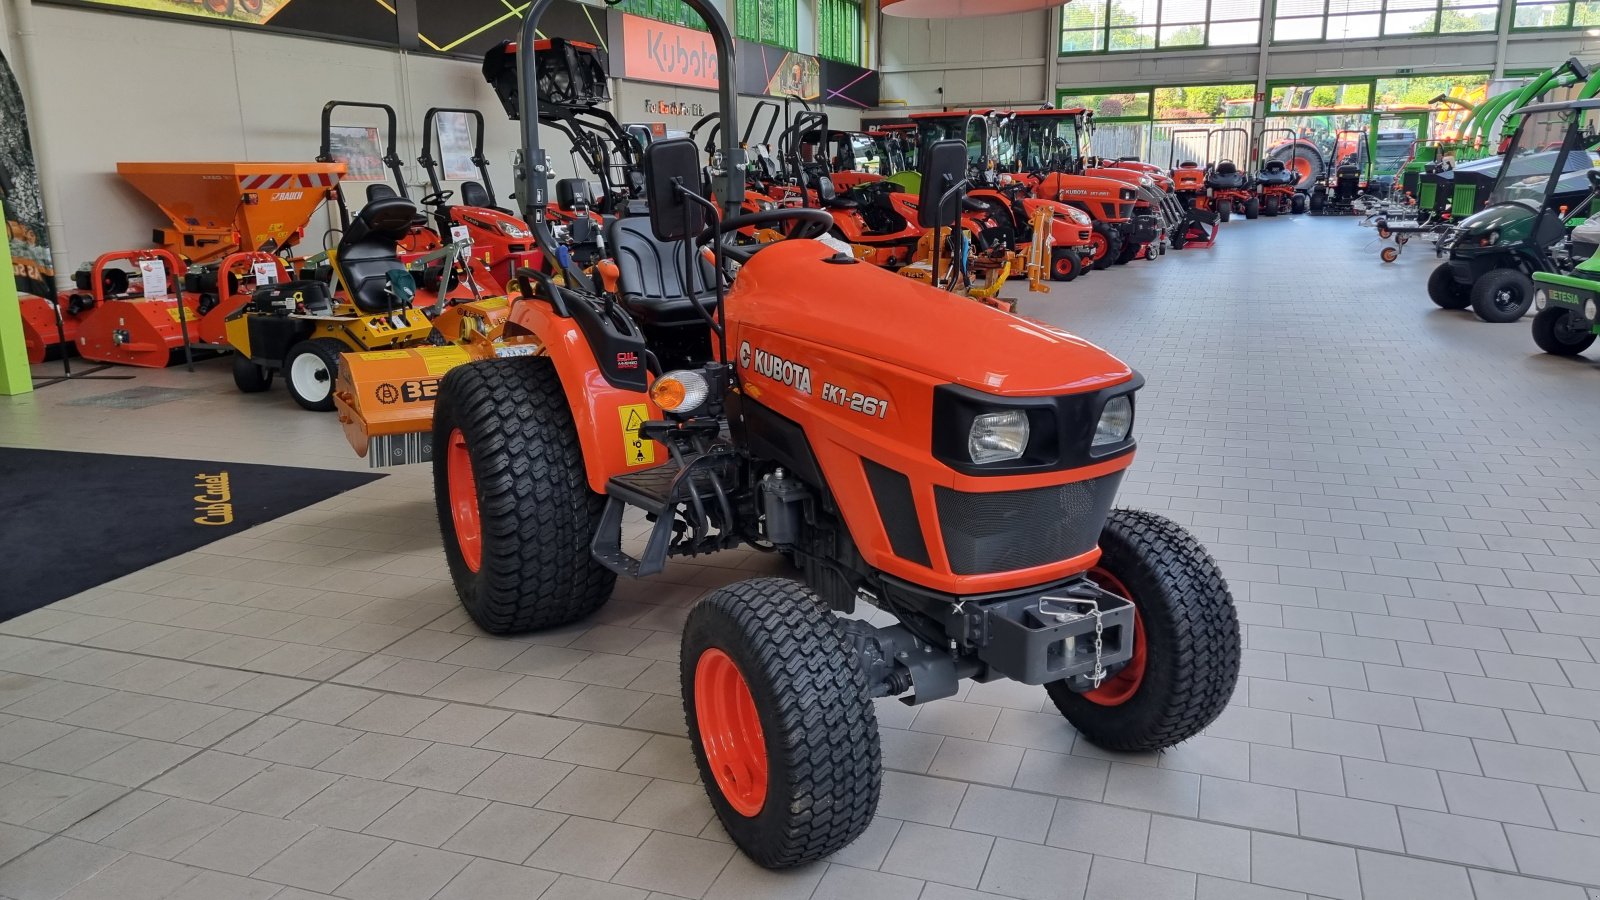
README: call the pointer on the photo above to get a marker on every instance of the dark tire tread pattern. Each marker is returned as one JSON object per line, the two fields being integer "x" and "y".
{"x": 538, "y": 514}
{"x": 1192, "y": 631}
{"x": 820, "y": 726}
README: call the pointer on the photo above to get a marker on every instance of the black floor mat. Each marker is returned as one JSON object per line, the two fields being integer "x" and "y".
{"x": 72, "y": 521}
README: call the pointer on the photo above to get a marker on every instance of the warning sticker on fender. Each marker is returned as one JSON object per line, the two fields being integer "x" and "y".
{"x": 637, "y": 450}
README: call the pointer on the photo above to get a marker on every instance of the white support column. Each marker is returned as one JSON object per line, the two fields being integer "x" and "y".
{"x": 1508, "y": 11}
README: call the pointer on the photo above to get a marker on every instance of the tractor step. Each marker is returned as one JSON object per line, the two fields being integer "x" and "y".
{"x": 692, "y": 485}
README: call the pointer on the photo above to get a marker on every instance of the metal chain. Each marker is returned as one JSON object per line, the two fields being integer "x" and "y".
{"x": 1099, "y": 673}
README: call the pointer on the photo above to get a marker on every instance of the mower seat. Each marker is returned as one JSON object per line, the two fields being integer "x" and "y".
{"x": 650, "y": 275}
{"x": 1188, "y": 164}
{"x": 829, "y": 197}
{"x": 368, "y": 252}
{"x": 384, "y": 192}
{"x": 1274, "y": 172}
{"x": 1225, "y": 176}
{"x": 475, "y": 194}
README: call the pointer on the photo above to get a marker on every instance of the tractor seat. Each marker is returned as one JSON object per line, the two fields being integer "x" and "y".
{"x": 830, "y": 197}
{"x": 367, "y": 251}
{"x": 384, "y": 192}
{"x": 475, "y": 194}
{"x": 650, "y": 275}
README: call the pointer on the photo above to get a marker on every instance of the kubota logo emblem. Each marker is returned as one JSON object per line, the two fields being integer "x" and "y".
{"x": 744, "y": 355}
{"x": 783, "y": 371}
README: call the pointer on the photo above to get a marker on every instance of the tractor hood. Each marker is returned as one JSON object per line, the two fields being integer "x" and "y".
{"x": 790, "y": 288}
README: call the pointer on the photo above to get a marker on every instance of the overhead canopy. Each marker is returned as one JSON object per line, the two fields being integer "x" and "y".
{"x": 957, "y": 9}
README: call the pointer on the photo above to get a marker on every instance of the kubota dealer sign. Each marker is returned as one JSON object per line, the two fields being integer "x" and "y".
{"x": 656, "y": 51}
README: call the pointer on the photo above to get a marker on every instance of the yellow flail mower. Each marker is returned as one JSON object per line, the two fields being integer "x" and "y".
{"x": 968, "y": 263}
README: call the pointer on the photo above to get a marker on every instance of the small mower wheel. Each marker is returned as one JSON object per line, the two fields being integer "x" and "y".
{"x": 1298, "y": 204}
{"x": 1446, "y": 292}
{"x": 514, "y": 504}
{"x": 1502, "y": 295}
{"x": 1390, "y": 254}
{"x": 1225, "y": 211}
{"x": 249, "y": 377}
{"x": 1270, "y": 208}
{"x": 1112, "y": 240}
{"x": 783, "y": 731}
{"x": 310, "y": 370}
{"x": 1562, "y": 332}
{"x": 1065, "y": 264}
{"x": 1186, "y": 639}
{"x": 1319, "y": 201}
{"x": 1252, "y": 208}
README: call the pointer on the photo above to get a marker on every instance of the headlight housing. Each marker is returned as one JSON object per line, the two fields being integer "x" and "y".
{"x": 1590, "y": 311}
{"x": 1116, "y": 422}
{"x": 1079, "y": 216}
{"x": 998, "y": 436}
{"x": 680, "y": 392}
{"x": 514, "y": 231}
{"x": 1540, "y": 300}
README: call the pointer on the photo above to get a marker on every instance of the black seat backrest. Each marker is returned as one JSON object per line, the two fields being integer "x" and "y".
{"x": 573, "y": 193}
{"x": 367, "y": 250}
{"x": 1274, "y": 166}
{"x": 1226, "y": 167}
{"x": 475, "y": 194}
{"x": 1349, "y": 170}
{"x": 825, "y": 190}
{"x": 380, "y": 191}
{"x": 650, "y": 274}
{"x": 1188, "y": 164}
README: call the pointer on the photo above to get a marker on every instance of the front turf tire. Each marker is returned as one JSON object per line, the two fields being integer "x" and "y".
{"x": 248, "y": 377}
{"x": 1065, "y": 264}
{"x": 1107, "y": 238}
{"x": 310, "y": 370}
{"x": 1252, "y": 208}
{"x": 802, "y": 782}
{"x": 1187, "y": 635}
{"x": 1445, "y": 291}
{"x": 1502, "y": 295}
{"x": 1554, "y": 332}
{"x": 515, "y": 509}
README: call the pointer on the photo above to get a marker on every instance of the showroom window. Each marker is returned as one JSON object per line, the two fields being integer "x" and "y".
{"x": 675, "y": 12}
{"x": 768, "y": 22}
{"x": 839, "y": 30}
{"x": 1339, "y": 20}
{"x": 1102, "y": 26}
{"x": 1533, "y": 14}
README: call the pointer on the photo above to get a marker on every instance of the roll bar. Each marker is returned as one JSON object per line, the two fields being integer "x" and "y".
{"x": 432, "y": 166}
{"x": 391, "y": 158}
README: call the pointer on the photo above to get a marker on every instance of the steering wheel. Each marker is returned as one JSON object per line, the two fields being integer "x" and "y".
{"x": 437, "y": 198}
{"x": 809, "y": 223}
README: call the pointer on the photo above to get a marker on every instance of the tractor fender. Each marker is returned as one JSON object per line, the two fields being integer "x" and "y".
{"x": 601, "y": 413}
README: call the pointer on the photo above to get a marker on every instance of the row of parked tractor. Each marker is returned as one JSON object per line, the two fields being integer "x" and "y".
{"x": 1513, "y": 222}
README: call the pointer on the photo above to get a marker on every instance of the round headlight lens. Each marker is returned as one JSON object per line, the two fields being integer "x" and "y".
{"x": 1540, "y": 300}
{"x": 997, "y": 437}
{"x": 1590, "y": 312}
{"x": 514, "y": 231}
{"x": 1116, "y": 421}
{"x": 680, "y": 392}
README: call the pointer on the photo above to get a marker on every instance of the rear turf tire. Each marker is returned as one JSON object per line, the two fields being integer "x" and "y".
{"x": 1252, "y": 208}
{"x": 248, "y": 377}
{"x": 818, "y": 731}
{"x": 1130, "y": 252}
{"x": 310, "y": 370}
{"x": 531, "y": 507}
{"x": 1445, "y": 291}
{"x": 1554, "y": 333}
{"x": 1189, "y": 633}
{"x": 1502, "y": 295}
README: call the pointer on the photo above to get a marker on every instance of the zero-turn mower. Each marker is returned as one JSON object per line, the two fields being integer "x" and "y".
{"x": 947, "y": 463}
{"x": 1278, "y": 182}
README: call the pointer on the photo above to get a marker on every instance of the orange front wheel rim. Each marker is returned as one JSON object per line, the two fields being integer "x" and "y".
{"x": 464, "y": 501}
{"x": 1120, "y": 688}
{"x": 730, "y": 732}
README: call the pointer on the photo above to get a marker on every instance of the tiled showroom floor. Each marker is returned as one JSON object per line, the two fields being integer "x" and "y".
{"x": 1406, "y": 502}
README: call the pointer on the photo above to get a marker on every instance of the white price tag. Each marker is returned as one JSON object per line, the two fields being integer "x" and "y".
{"x": 155, "y": 277}
{"x": 266, "y": 273}
{"x": 460, "y": 235}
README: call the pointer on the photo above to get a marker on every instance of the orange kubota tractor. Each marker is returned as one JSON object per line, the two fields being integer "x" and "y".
{"x": 498, "y": 237}
{"x": 949, "y": 464}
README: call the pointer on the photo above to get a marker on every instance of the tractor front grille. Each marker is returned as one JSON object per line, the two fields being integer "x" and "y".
{"x": 1001, "y": 531}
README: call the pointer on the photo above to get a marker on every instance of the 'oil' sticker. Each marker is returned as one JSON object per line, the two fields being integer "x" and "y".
{"x": 637, "y": 450}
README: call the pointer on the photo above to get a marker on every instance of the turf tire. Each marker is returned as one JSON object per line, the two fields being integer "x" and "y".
{"x": 537, "y": 514}
{"x": 1191, "y": 635}
{"x": 1270, "y": 208}
{"x": 248, "y": 377}
{"x": 1065, "y": 264}
{"x": 1552, "y": 337}
{"x": 1252, "y": 208}
{"x": 1225, "y": 211}
{"x": 1113, "y": 238}
{"x": 1298, "y": 204}
{"x": 1130, "y": 252}
{"x": 1446, "y": 292}
{"x": 1486, "y": 293}
{"x": 819, "y": 727}
{"x": 326, "y": 351}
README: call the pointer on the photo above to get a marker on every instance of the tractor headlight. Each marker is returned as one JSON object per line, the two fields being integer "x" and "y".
{"x": 514, "y": 231}
{"x": 1540, "y": 300}
{"x": 1116, "y": 422}
{"x": 1494, "y": 238}
{"x": 1590, "y": 311}
{"x": 680, "y": 392}
{"x": 1079, "y": 216}
{"x": 998, "y": 436}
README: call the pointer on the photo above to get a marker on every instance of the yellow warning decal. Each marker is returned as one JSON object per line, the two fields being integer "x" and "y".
{"x": 491, "y": 303}
{"x": 173, "y": 312}
{"x": 386, "y": 354}
{"x": 639, "y": 452}
{"x": 440, "y": 360}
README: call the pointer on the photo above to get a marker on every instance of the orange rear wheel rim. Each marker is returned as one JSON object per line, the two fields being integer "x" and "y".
{"x": 464, "y": 501}
{"x": 730, "y": 732}
{"x": 1120, "y": 688}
